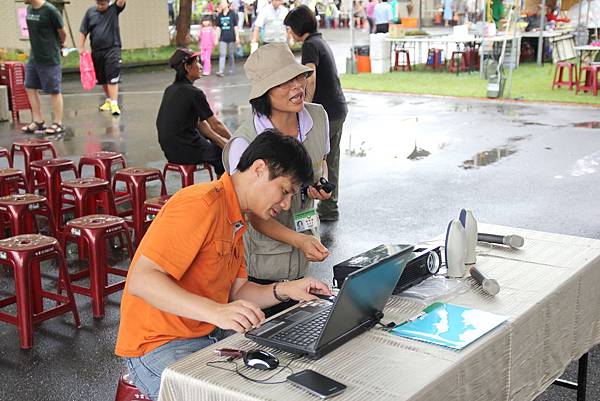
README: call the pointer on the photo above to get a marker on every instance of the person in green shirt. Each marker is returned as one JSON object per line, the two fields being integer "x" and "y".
{"x": 395, "y": 13}
{"x": 43, "y": 70}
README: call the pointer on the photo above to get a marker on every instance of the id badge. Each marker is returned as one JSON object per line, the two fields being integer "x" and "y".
{"x": 306, "y": 220}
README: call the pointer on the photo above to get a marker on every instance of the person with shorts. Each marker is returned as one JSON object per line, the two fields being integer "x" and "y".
{"x": 43, "y": 70}
{"x": 187, "y": 285}
{"x": 101, "y": 22}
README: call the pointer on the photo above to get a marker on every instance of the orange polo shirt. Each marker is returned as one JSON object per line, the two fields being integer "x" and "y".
{"x": 197, "y": 239}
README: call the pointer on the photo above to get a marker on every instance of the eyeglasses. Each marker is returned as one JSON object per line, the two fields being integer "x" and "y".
{"x": 300, "y": 80}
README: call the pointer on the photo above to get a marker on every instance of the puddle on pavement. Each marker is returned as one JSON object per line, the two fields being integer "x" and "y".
{"x": 587, "y": 124}
{"x": 518, "y": 138}
{"x": 487, "y": 157}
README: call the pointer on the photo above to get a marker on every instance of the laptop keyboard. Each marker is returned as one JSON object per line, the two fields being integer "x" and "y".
{"x": 305, "y": 333}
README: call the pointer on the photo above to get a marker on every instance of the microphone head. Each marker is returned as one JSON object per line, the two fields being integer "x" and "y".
{"x": 490, "y": 286}
{"x": 515, "y": 241}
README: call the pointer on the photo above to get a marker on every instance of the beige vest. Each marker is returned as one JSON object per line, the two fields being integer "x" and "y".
{"x": 267, "y": 258}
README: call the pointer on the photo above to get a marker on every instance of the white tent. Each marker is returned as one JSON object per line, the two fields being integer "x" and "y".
{"x": 594, "y": 15}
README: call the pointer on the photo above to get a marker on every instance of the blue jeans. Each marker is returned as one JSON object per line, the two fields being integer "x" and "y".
{"x": 145, "y": 371}
{"x": 225, "y": 48}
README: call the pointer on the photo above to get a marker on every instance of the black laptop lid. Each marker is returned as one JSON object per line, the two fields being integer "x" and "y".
{"x": 366, "y": 291}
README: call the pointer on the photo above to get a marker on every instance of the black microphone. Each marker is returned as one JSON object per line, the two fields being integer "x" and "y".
{"x": 489, "y": 285}
{"x": 514, "y": 241}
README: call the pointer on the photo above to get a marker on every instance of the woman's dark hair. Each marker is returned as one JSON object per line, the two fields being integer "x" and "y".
{"x": 284, "y": 155}
{"x": 301, "y": 20}
{"x": 181, "y": 73}
{"x": 262, "y": 105}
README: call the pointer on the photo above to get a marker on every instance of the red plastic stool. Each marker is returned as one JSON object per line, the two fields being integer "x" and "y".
{"x": 434, "y": 59}
{"x": 186, "y": 171}
{"x": 47, "y": 177}
{"x": 558, "y": 80}
{"x": 24, "y": 253}
{"x": 404, "y": 64}
{"x": 103, "y": 163}
{"x": 457, "y": 61}
{"x": 135, "y": 180}
{"x": 21, "y": 211}
{"x": 96, "y": 231}
{"x": 590, "y": 83}
{"x": 4, "y": 154}
{"x": 32, "y": 149}
{"x": 85, "y": 195}
{"x": 11, "y": 179}
{"x": 127, "y": 391}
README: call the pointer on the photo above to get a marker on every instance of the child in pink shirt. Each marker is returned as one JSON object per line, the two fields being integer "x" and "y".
{"x": 207, "y": 40}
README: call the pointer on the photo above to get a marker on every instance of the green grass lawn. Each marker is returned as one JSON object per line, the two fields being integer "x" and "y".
{"x": 132, "y": 56}
{"x": 530, "y": 82}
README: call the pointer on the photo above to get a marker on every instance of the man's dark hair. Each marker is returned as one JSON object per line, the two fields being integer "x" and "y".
{"x": 284, "y": 155}
{"x": 301, "y": 20}
{"x": 262, "y": 105}
{"x": 181, "y": 73}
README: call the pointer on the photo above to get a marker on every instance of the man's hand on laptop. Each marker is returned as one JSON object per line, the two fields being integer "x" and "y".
{"x": 303, "y": 289}
{"x": 312, "y": 248}
{"x": 239, "y": 315}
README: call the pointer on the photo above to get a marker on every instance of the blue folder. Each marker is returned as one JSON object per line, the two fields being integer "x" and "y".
{"x": 449, "y": 325}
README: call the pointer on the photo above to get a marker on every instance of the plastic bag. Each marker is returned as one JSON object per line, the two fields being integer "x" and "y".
{"x": 435, "y": 288}
{"x": 87, "y": 72}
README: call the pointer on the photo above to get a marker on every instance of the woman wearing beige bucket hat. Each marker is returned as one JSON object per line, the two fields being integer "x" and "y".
{"x": 275, "y": 251}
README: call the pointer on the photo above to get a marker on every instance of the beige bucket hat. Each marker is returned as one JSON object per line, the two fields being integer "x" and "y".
{"x": 271, "y": 65}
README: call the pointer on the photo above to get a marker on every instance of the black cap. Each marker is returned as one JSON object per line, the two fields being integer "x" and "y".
{"x": 181, "y": 56}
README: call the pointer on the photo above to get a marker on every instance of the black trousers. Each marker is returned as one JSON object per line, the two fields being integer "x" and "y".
{"x": 201, "y": 151}
{"x": 382, "y": 28}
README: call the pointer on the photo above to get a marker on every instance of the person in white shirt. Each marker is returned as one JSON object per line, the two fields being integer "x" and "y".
{"x": 270, "y": 19}
{"x": 383, "y": 17}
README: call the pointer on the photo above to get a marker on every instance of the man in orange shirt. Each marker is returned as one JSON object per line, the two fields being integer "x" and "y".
{"x": 187, "y": 282}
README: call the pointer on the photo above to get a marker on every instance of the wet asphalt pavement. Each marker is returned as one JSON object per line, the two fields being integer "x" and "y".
{"x": 409, "y": 164}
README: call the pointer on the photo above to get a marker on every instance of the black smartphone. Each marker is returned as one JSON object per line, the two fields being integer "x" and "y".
{"x": 316, "y": 383}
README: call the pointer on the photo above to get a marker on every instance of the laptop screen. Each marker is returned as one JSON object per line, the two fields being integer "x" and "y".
{"x": 366, "y": 291}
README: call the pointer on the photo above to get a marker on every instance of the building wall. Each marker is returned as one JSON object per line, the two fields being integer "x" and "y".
{"x": 144, "y": 23}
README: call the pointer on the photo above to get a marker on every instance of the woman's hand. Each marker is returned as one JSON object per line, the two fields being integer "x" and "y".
{"x": 318, "y": 194}
{"x": 312, "y": 249}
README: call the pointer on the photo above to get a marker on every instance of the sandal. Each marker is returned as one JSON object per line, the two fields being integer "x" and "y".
{"x": 55, "y": 129}
{"x": 33, "y": 127}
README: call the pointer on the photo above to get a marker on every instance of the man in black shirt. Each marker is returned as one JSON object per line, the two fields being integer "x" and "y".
{"x": 101, "y": 22}
{"x": 324, "y": 88}
{"x": 188, "y": 131}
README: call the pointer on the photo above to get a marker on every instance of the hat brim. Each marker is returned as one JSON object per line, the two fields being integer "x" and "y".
{"x": 281, "y": 76}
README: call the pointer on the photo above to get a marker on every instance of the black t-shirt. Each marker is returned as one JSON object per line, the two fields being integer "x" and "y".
{"x": 102, "y": 27}
{"x": 328, "y": 91}
{"x": 227, "y": 23}
{"x": 182, "y": 106}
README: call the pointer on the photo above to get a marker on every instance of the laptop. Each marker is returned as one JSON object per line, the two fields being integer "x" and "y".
{"x": 317, "y": 327}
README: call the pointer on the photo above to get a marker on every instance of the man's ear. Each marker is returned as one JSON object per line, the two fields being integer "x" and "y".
{"x": 258, "y": 168}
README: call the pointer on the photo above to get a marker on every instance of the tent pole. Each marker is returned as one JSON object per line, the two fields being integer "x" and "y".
{"x": 540, "y": 52}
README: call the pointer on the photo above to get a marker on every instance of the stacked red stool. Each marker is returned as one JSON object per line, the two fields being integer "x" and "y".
{"x": 12, "y": 74}
{"x": 127, "y": 391}
{"x": 558, "y": 80}
{"x": 94, "y": 232}
{"x": 435, "y": 59}
{"x": 85, "y": 195}
{"x": 402, "y": 60}
{"x": 457, "y": 61}
{"x": 32, "y": 149}
{"x": 103, "y": 163}
{"x": 47, "y": 176}
{"x": 186, "y": 171}
{"x": 23, "y": 254}
{"x": 21, "y": 210}
{"x": 11, "y": 179}
{"x": 5, "y": 154}
{"x": 590, "y": 81}
{"x": 135, "y": 180}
